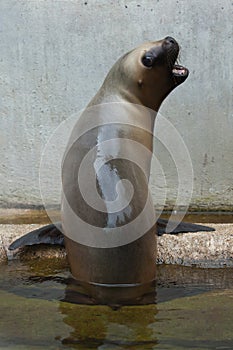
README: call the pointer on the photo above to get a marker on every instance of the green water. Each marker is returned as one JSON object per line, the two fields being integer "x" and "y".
{"x": 193, "y": 309}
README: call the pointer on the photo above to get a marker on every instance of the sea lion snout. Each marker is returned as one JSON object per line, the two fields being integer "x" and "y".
{"x": 171, "y": 49}
{"x": 171, "y": 46}
{"x": 165, "y": 52}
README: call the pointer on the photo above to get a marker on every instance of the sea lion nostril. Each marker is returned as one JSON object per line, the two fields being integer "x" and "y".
{"x": 170, "y": 40}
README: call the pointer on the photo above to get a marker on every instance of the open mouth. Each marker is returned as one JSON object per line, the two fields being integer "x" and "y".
{"x": 180, "y": 73}
{"x": 172, "y": 48}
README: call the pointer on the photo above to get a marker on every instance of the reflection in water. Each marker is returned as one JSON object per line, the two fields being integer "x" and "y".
{"x": 191, "y": 310}
{"x": 51, "y": 279}
{"x": 77, "y": 293}
{"x": 100, "y": 325}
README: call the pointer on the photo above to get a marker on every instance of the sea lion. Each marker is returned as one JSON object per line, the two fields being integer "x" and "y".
{"x": 136, "y": 86}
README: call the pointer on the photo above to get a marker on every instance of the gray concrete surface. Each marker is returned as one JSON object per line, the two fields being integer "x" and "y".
{"x": 204, "y": 249}
{"x": 55, "y": 54}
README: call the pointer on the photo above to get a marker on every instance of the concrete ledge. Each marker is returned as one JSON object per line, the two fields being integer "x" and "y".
{"x": 203, "y": 249}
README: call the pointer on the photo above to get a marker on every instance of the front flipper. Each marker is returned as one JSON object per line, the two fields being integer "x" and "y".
{"x": 50, "y": 234}
{"x": 182, "y": 227}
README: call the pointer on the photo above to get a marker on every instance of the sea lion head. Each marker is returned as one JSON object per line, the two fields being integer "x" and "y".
{"x": 147, "y": 74}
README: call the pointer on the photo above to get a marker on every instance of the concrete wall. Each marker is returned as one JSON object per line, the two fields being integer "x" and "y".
{"x": 55, "y": 54}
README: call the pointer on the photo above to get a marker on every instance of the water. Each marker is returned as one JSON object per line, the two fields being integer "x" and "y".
{"x": 41, "y": 308}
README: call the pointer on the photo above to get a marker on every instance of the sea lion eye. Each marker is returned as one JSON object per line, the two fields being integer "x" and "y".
{"x": 148, "y": 60}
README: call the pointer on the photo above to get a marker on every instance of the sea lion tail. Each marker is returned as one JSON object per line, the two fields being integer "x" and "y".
{"x": 49, "y": 234}
{"x": 182, "y": 227}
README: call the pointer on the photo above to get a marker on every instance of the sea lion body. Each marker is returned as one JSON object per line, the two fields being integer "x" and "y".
{"x": 132, "y": 263}
{"x": 129, "y": 85}
{"x": 121, "y": 250}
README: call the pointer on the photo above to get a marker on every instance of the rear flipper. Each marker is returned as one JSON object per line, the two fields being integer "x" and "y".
{"x": 182, "y": 227}
{"x": 50, "y": 234}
